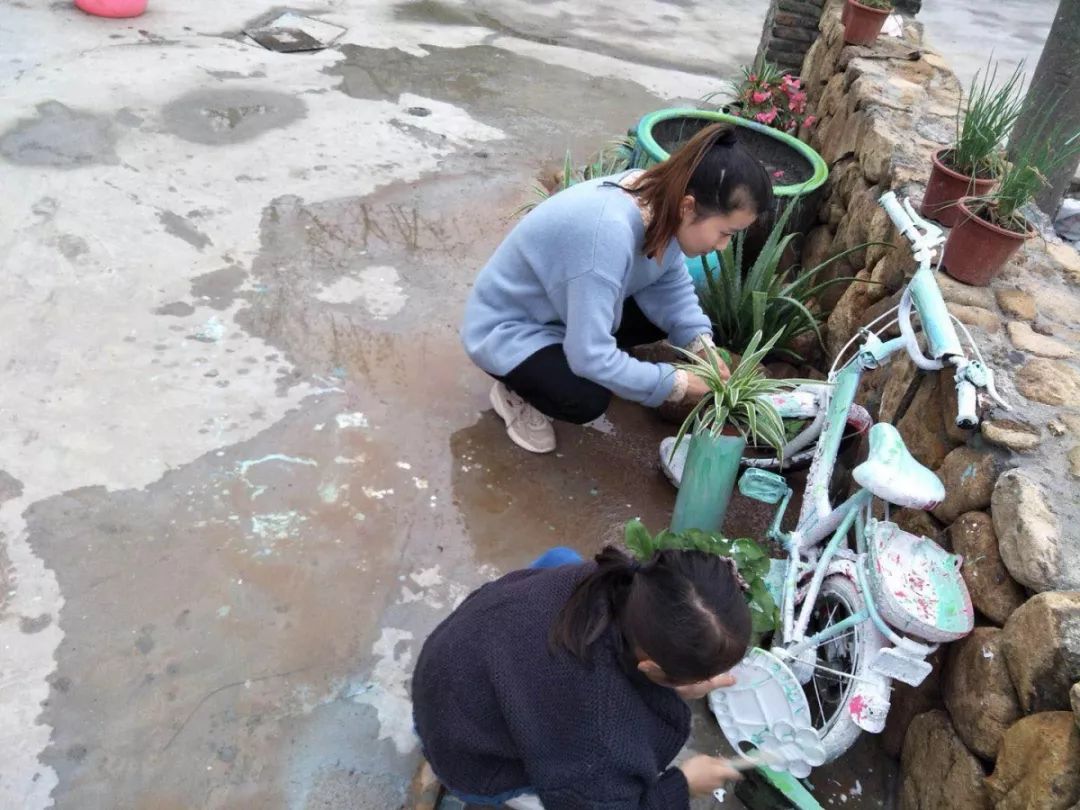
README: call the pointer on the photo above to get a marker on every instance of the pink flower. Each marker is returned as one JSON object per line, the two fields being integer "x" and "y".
{"x": 789, "y": 83}
{"x": 778, "y": 173}
{"x": 798, "y": 102}
{"x": 809, "y": 121}
{"x": 767, "y": 117}
{"x": 760, "y": 97}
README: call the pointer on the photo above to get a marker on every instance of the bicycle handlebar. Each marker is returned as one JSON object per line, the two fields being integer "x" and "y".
{"x": 942, "y": 341}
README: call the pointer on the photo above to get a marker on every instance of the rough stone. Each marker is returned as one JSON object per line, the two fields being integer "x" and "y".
{"x": 993, "y": 592}
{"x": 818, "y": 247}
{"x": 1027, "y": 340}
{"x": 897, "y": 393}
{"x": 845, "y": 316}
{"x": 1017, "y": 303}
{"x": 938, "y": 769}
{"x": 1049, "y": 381}
{"x": 1029, "y": 533}
{"x": 1057, "y": 304}
{"x": 1015, "y": 435}
{"x": 1070, "y": 422}
{"x": 916, "y": 521}
{"x": 1042, "y": 650}
{"x": 925, "y": 438}
{"x": 956, "y": 292}
{"x": 968, "y": 475}
{"x": 1067, "y": 258}
{"x": 908, "y": 702}
{"x": 1073, "y": 458}
{"x": 1074, "y": 701}
{"x": 975, "y": 316}
{"x": 1037, "y": 764}
{"x": 978, "y": 693}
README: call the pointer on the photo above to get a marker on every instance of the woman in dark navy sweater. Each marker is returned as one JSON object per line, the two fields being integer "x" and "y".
{"x": 569, "y": 682}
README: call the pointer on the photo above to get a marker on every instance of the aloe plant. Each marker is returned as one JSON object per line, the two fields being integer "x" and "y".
{"x": 763, "y": 298}
{"x": 986, "y": 119}
{"x": 740, "y": 401}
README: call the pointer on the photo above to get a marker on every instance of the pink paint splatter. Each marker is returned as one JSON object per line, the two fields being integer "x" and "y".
{"x": 858, "y": 706}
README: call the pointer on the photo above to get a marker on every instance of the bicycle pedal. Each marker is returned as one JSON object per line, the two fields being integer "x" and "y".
{"x": 892, "y": 663}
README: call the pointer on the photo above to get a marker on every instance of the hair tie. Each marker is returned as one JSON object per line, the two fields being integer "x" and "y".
{"x": 726, "y": 137}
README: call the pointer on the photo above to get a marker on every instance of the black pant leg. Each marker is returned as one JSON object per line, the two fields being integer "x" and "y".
{"x": 545, "y": 381}
{"x": 636, "y": 329}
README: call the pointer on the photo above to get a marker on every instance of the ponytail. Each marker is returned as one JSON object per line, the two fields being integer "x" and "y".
{"x": 716, "y": 170}
{"x": 597, "y": 598}
{"x": 683, "y": 609}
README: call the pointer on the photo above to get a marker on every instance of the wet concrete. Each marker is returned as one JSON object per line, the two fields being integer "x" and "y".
{"x": 248, "y": 467}
{"x": 59, "y": 136}
{"x": 230, "y": 116}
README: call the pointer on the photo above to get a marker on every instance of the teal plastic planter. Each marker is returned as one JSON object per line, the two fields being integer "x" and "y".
{"x": 712, "y": 466}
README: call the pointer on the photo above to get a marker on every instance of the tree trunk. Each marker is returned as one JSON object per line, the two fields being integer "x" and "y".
{"x": 1056, "y": 80}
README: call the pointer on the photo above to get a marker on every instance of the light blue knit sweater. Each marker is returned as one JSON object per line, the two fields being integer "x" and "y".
{"x": 562, "y": 276}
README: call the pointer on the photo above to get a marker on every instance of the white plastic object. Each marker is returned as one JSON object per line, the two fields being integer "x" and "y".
{"x": 893, "y": 663}
{"x": 896, "y": 213}
{"x": 966, "y": 416}
{"x": 767, "y": 709}
{"x": 916, "y": 584}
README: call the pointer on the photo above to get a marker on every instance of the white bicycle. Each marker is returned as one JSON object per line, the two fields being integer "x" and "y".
{"x": 855, "y": 616}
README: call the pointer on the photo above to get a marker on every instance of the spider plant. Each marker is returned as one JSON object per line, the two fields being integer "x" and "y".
{"x": 764, "y": 299}
{"x": 740, "y": 401}
{"x": 987, "y": 118}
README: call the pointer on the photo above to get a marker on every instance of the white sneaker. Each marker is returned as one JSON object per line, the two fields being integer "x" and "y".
{"x": 526, "y": 426}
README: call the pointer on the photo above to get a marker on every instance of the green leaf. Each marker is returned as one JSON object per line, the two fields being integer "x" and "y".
{"x": 638, "y": 540}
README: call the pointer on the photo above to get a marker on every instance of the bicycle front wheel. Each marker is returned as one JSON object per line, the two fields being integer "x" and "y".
{"x": 839, "y": 665}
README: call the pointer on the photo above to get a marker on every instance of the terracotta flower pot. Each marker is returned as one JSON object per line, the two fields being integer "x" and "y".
{"x": 946, "y": 188}
{"x": 976, "y": 250}
{"x": 863, "y": 24}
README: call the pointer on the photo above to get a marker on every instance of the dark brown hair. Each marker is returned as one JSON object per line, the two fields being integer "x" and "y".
{"x": 712, "y": 167}
{"x": 683, "y": 609}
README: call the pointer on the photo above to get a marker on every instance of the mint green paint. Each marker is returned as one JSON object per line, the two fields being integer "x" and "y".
{"x": 712, "y": 465}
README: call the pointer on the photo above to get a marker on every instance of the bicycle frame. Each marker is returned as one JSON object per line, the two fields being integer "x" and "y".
{"x": 818, "y": 518}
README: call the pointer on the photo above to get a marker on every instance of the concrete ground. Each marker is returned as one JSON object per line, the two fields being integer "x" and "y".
{"x": 244, "y": 464}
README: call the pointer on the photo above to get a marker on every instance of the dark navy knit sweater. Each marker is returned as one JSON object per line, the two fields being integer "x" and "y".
{"x": 498, "y": 713}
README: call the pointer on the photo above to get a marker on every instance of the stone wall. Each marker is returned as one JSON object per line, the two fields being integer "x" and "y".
{"x": 995, "y": 725}
{"x": 790, "y": 27}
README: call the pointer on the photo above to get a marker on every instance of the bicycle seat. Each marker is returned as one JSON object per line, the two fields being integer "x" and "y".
{"x": 892, "y": 474}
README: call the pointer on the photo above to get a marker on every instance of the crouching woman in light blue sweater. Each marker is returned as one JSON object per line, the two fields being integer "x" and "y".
{"x": 598, "y": 268}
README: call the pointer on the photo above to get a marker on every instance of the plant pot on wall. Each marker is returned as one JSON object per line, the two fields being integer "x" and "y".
{"x": 977, "y": 249}
{"x": 945, "y": 189}
{"x": 863, "y": 23}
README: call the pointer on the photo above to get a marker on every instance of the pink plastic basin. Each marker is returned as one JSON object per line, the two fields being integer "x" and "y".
{"x": 112, "y": 8}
